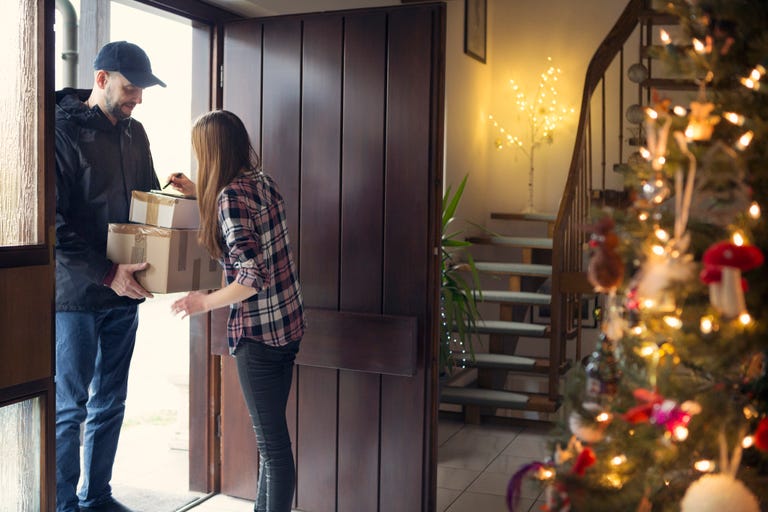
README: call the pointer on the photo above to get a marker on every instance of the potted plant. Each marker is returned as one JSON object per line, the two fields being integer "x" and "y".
{"x": 459, "y": 280}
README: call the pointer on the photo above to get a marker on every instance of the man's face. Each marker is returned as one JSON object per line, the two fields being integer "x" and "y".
{"x": 121, "y": 96}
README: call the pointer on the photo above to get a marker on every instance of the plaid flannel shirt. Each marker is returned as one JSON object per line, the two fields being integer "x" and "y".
{"x": 257, "y": 253}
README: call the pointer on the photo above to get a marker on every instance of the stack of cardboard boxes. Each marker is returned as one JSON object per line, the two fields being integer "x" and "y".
{"x": 163, "y": 231}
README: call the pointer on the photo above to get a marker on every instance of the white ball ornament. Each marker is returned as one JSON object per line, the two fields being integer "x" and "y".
{"x": 716, "y": 493}
{"x": 637, "y": 73}
{"x": 635, "y": 114}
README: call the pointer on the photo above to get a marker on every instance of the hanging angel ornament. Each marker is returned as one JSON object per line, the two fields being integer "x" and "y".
{"x": 701, "y": 122}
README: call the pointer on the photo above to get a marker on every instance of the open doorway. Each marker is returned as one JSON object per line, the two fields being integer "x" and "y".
{"x": 151, "y": 471}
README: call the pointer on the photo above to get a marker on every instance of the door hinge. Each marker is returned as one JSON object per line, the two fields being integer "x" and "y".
{"x": 221, "y": 76}
{"x": 218, "y": 425}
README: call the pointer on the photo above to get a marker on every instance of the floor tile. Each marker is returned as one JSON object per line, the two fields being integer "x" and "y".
{"x": 491, "y": 483}
{"x": 507, "y": 466}
{"x": 445, "y": 497}
{"x": 455, "y": 478}
{"x": 529, "y": 445}
{"x": 476, "y": 502}
{"x": 446, "y": 429}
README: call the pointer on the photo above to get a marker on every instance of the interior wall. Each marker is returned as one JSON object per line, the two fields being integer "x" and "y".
{"x": 467, "y": 139}
{"x": 521, "y": 35}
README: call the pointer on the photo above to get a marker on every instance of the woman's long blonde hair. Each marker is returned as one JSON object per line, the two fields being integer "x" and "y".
{"x": 224, "y": 151}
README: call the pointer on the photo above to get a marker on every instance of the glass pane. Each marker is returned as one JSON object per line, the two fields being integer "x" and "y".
{"x": 20, "y": 431}
{"x": 165, "y": 112}
{"x": 18, "y": 124}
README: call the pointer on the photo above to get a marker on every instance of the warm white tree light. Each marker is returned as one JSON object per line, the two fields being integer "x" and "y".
{"x": 543, "y": 114}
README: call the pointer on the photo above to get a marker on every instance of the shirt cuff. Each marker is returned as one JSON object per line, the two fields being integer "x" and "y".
{"x": 107, "y": 281}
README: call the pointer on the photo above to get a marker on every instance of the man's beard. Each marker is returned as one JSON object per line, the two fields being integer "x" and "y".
{"x": 114, "y": 109}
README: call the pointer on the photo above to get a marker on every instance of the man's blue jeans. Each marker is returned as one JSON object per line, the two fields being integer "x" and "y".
{"x": 266, "y": 374}
{"x": 93, "y": 353}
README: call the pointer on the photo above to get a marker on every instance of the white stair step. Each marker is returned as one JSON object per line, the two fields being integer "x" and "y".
{"x": 526, "y": 269}
{"x": 514, "y": 241}
{"x": 511, "y": 328}
{"x": 536, "y": 216}
{"x": 511, "y": 297}
{"x": 500, "y": 361}
{"x": 487, "y": 397}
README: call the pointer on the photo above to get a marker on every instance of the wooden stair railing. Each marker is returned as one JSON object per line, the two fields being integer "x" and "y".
{"x": 568, "y": 278}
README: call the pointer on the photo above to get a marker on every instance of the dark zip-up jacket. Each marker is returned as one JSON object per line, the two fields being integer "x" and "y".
{"x": 97, "y": 166}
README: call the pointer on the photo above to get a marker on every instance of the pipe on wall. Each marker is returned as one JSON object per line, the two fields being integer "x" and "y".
{"x": 69, "y": 45}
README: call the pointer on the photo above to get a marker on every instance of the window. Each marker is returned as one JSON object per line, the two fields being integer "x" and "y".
{"x": 20, "y": 434}
{"x": 19, "y": 178}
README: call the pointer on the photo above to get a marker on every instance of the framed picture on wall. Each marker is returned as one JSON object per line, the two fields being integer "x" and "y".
{"x": 475, "y": 28}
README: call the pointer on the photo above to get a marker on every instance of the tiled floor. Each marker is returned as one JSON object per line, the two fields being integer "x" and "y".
{"x": 475, "y": 463}
{"x": 474, "y": 466}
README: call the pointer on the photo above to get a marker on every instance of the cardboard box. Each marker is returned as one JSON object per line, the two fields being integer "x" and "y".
{"x": 177, "y": 263}
{"x": 164, "y": 210}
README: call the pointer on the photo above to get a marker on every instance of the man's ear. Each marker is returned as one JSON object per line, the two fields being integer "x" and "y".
{"x": 101, "y": 78}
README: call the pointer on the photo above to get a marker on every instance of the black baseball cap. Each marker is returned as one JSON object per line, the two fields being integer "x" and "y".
{"x": 128, "y": 59}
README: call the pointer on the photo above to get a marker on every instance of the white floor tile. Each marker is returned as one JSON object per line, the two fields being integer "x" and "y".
{"x": 476, "y": 502}
{"x": 445, "y": 497}
{"x": 455, "y": 478}
{"x": 529, "y": 446}
{"x": 446, "y": 429}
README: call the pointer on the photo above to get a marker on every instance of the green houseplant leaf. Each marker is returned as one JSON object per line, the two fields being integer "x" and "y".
{"x": 459, "y": 283}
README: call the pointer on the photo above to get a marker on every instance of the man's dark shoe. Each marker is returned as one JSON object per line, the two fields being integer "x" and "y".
{"x": 112, "y": 505}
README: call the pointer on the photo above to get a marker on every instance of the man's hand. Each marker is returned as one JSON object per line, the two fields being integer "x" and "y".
{"x": 125, "y": 284}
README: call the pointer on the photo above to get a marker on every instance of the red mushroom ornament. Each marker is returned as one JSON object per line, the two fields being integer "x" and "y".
{"x": 727, "y": 293}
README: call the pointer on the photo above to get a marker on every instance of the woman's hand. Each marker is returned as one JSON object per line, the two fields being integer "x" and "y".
{"x": 181, "y": 183}
{"x": 193, "y": 304}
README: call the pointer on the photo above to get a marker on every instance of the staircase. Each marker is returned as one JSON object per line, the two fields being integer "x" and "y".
{"x": 512, "y": 302}
{"x": 491, "y": 384}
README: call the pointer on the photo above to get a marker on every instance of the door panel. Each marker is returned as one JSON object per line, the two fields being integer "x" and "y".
{"x": 406, "y": 265}
{"x": 362, "y": 202}
{"x": 348, "y": 124}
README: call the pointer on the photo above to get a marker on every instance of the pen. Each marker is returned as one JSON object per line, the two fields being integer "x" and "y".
{"x": 175, "y": 175}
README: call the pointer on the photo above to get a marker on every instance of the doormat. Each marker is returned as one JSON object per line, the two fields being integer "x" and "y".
{"x": 152, "y": 500}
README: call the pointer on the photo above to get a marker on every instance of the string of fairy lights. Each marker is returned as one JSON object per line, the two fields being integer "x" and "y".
{"x": 543, "y": 112}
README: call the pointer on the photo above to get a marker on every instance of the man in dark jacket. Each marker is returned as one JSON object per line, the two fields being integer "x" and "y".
{"x": 102, "y": 154}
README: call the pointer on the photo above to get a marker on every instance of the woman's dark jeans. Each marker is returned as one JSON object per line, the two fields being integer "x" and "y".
{"x": 266, "y": 373}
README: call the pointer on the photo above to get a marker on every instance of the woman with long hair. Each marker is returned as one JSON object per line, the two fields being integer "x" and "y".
{"x": 243, "y": 224}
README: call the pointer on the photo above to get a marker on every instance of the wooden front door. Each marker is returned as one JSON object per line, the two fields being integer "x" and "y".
{"x": 345, "y": 109}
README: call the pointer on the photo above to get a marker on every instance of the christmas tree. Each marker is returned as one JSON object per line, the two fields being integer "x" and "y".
{"x": 671, "y": 410}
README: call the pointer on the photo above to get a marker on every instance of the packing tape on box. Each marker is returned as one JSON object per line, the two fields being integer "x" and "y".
{"x": 153, "y": 210}
{"x": 181, "y": 263}
{"x": 134, "y": 229}
{"x": 139, "y": 248}
{"x": 196, "y": 274}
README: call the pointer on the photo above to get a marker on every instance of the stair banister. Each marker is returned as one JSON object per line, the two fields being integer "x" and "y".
{"x": 568, "y": 238}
